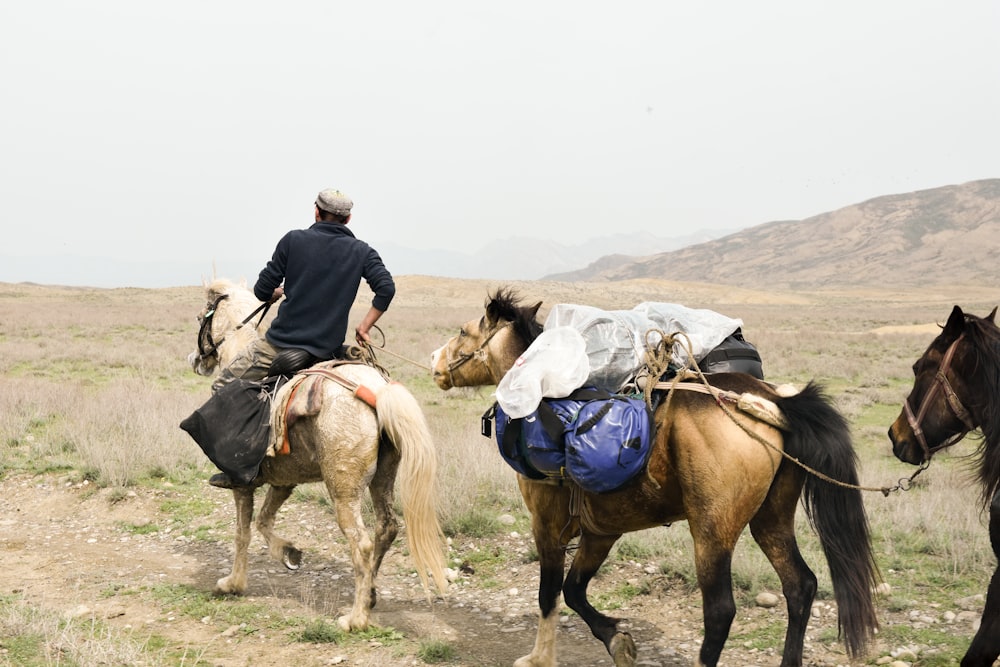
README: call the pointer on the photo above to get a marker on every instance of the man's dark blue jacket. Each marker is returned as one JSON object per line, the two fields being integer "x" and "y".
{"x": 322, "y": 268}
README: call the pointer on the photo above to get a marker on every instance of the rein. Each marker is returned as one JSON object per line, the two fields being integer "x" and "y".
{"x": 940, "y": 382}
{"x": 207, "y": 346}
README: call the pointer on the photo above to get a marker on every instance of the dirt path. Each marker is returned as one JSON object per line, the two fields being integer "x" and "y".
{"x": 67, "y": 549}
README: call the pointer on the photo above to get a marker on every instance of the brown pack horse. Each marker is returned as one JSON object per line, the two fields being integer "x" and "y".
{"x": 349, "y": 447}
{"x": 705, "y": 468}
{"x": 956, "y": 389}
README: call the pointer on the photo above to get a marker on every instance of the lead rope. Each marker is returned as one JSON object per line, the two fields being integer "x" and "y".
{"x": 368, "y": 354}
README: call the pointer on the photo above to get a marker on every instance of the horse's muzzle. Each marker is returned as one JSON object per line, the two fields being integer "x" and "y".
{"x": 439, "y": 370}
{"x": 195, "y": 360}
{"x": 905, "y": 448}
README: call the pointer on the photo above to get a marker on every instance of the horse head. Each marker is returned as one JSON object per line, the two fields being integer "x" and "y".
{"x": 485, "y": 348}
{"x": 226, "y": 304}
{"x": 949, "y": 379}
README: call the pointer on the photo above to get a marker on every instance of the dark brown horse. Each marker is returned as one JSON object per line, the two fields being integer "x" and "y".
{"x": 718, "y": 470}
{"x": 956, "y": 389}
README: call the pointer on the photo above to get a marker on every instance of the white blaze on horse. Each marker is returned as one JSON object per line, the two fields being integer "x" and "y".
{"x": 707, "y": 467}
{"x": 342, "y": 442}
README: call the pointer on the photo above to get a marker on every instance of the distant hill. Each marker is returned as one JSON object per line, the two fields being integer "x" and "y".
{"x": 942, "y": 236}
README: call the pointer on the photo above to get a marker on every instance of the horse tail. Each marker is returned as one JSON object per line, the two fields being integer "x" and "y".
{"x": 400, "y": 417}
{"x": 819, "y": 437}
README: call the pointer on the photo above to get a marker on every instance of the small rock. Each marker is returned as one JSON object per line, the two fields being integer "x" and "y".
{"x": 230, "y": 631}
{"x": 767, "y": 600}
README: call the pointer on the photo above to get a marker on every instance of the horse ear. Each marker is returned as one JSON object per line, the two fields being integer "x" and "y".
{"x": 956, "y": 322}
{"x": 992, "y": 317}
{"x": 533, "y": 310}
{"x": 492, "y": 311}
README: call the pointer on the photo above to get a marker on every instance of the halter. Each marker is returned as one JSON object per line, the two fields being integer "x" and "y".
{"x": 940, "y": 382}
{"x": 479, "y": 352}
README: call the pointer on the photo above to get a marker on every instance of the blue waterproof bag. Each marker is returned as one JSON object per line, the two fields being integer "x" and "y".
{"x": 608, "y": 444}
{"x": 596, "y": 439}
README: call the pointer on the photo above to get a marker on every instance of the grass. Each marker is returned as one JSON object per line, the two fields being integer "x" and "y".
{"x": 95, "y": 383}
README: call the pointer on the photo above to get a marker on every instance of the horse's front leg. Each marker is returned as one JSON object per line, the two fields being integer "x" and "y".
{"x": 550, "y": 525}
{"x": 985, "y": 647}
{"x": 278, "y": 548}
{"x": 236, "y": 582}
{"x": 590, "y": 554}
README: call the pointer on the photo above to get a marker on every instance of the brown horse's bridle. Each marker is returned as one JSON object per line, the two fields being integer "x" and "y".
{"x": 940, "y": 382}
{"x": 478, "y": 352}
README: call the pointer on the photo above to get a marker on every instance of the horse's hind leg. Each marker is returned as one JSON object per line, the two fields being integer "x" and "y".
{"x": 382, "y": 490}
{"x": 713, "y": 563}
{"x": 985, "y": 647}
{"x": 347, "y": 491}
{"x": 236, "y": 582}
{"x": 590, "y": 554}
{"x": 278, "y": 548}
{"x": 773, "y": 528}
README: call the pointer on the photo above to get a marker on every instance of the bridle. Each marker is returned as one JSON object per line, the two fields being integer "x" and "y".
{"x": 207, "y": 345}
{"x": 940, "y": 382}
{"x": 478, "y": 353}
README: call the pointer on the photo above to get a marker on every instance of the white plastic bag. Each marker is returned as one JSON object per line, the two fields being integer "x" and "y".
{"x": 552, "y": 366}
{"x": 615, "y": 340}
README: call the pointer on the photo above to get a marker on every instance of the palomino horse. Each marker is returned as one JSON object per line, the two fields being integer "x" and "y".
{"x": 716, "y": 472}
{"x": 956, "y": 388}
{"x": 346, "y": 445}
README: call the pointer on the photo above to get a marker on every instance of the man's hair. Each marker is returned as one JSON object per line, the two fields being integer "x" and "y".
{"x": 326, "y": 216}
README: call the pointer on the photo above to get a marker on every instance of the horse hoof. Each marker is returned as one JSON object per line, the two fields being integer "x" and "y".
{"x": 347, "y": 624}
{"x": 622, "y": 650}
{"x": 224, "y": 587}
{"x": 292, "y": 558}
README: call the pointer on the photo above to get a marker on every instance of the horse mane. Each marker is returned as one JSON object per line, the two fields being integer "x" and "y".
{"x": 984, "y": 337}
{"x": 506, "y": 304}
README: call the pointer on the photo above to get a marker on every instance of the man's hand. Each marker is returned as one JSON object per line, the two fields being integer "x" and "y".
{"x": 279, "y": 292}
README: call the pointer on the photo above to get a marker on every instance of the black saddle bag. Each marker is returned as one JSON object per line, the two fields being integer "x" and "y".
{"x": 233, "y": 428}
{"x": 733, "y": 355}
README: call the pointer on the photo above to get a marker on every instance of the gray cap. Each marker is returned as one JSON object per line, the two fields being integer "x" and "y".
{"x": 334, "y": 201}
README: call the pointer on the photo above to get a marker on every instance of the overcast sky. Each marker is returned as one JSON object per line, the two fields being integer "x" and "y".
{"x": 198, "y": 130}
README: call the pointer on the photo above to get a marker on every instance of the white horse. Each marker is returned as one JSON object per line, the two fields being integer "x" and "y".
{"x": 340, "y": 441}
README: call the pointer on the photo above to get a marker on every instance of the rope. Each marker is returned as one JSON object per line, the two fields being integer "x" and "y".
{"x": 904, "y": 484}
{"x": 370, "y": 358}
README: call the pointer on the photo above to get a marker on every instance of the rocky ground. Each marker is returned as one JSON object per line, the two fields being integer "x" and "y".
{"x": 76, "y": 552}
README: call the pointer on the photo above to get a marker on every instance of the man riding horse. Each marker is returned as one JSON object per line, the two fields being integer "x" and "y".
{"x": 318, "y": 270}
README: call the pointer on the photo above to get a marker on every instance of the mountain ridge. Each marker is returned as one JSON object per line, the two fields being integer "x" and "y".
{"x": 944, "y": 235}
